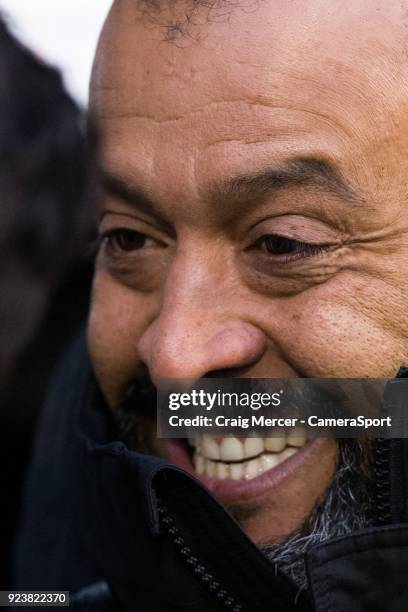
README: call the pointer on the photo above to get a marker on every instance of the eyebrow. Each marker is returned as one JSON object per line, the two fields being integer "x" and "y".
{"x": 131, "y": 194}
{"x": 303, "y": 171}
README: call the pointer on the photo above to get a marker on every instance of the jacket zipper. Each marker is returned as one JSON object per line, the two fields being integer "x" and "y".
{"x": 382, "y": 469}
{"x": 388, "y": 453}
{"x": 206, "y": 578}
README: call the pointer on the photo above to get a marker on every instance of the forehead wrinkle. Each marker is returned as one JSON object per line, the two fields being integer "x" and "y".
{"x": 245, "y": 102}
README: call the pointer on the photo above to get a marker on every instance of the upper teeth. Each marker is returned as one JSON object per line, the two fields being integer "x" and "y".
{"x": 237, "y": 449}
{"x": 213, "y": 456}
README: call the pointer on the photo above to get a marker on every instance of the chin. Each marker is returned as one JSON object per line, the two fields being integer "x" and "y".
{"x": 270, "y": 485}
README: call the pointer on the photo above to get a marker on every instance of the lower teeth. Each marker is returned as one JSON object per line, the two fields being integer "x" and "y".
{"x": 246, "y": 470}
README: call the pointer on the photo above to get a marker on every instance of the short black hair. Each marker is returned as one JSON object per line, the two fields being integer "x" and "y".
{"x": 46, "y": 160}
{"x": 182, "y": 20}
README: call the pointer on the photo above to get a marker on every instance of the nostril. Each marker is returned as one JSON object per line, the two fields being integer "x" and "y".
{"x": 241, "y": 372}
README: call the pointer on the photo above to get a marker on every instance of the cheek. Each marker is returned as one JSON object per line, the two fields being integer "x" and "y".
{"x": 344, "y": 329}
{"x": 118, "y": 318}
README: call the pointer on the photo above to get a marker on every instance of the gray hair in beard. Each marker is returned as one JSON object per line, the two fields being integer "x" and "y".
{"x": 348, "y": 506}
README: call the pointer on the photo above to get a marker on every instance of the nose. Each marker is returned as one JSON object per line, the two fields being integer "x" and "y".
{"x": 196, "y": 331}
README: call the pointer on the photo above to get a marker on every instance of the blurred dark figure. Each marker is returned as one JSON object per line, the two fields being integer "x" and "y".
{"x": 47, "y": 192}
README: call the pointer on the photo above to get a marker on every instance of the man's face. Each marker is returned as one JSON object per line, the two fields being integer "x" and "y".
{"x": 255, "y": 219}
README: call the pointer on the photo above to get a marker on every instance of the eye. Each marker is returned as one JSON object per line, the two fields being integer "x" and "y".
{"x": 126, "y": 240}
{"x": 277, "y": 245}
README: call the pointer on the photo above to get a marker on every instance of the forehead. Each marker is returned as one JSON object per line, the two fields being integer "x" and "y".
{"x": 276, "y": 79}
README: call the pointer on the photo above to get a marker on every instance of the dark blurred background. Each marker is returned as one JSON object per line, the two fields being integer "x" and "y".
{"x": 25, "y": 393}
{"x": 48, "y": 198}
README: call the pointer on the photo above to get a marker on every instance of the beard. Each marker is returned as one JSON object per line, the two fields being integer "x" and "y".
{"x": 133, "y": 418}
{"x": 347, "y": 506}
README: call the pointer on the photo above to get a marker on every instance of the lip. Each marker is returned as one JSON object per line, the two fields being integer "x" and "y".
{"x": 230, "y": 491}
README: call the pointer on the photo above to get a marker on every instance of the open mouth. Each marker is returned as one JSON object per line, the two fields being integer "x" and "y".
{"x": 240, "y": 468}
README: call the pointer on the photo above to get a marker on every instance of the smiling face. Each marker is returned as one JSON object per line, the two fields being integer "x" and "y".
{"x": 255, "y": 219}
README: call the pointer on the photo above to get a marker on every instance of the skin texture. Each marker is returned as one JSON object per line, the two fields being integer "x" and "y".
{"x": 250, "y": 93}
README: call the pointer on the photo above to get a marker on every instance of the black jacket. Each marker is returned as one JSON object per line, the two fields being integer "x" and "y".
{"x": 148, "y": 537}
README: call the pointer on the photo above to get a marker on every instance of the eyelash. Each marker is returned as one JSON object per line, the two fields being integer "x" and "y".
{"x": 288, "y": 249}
{"x": 111, "y": 238}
